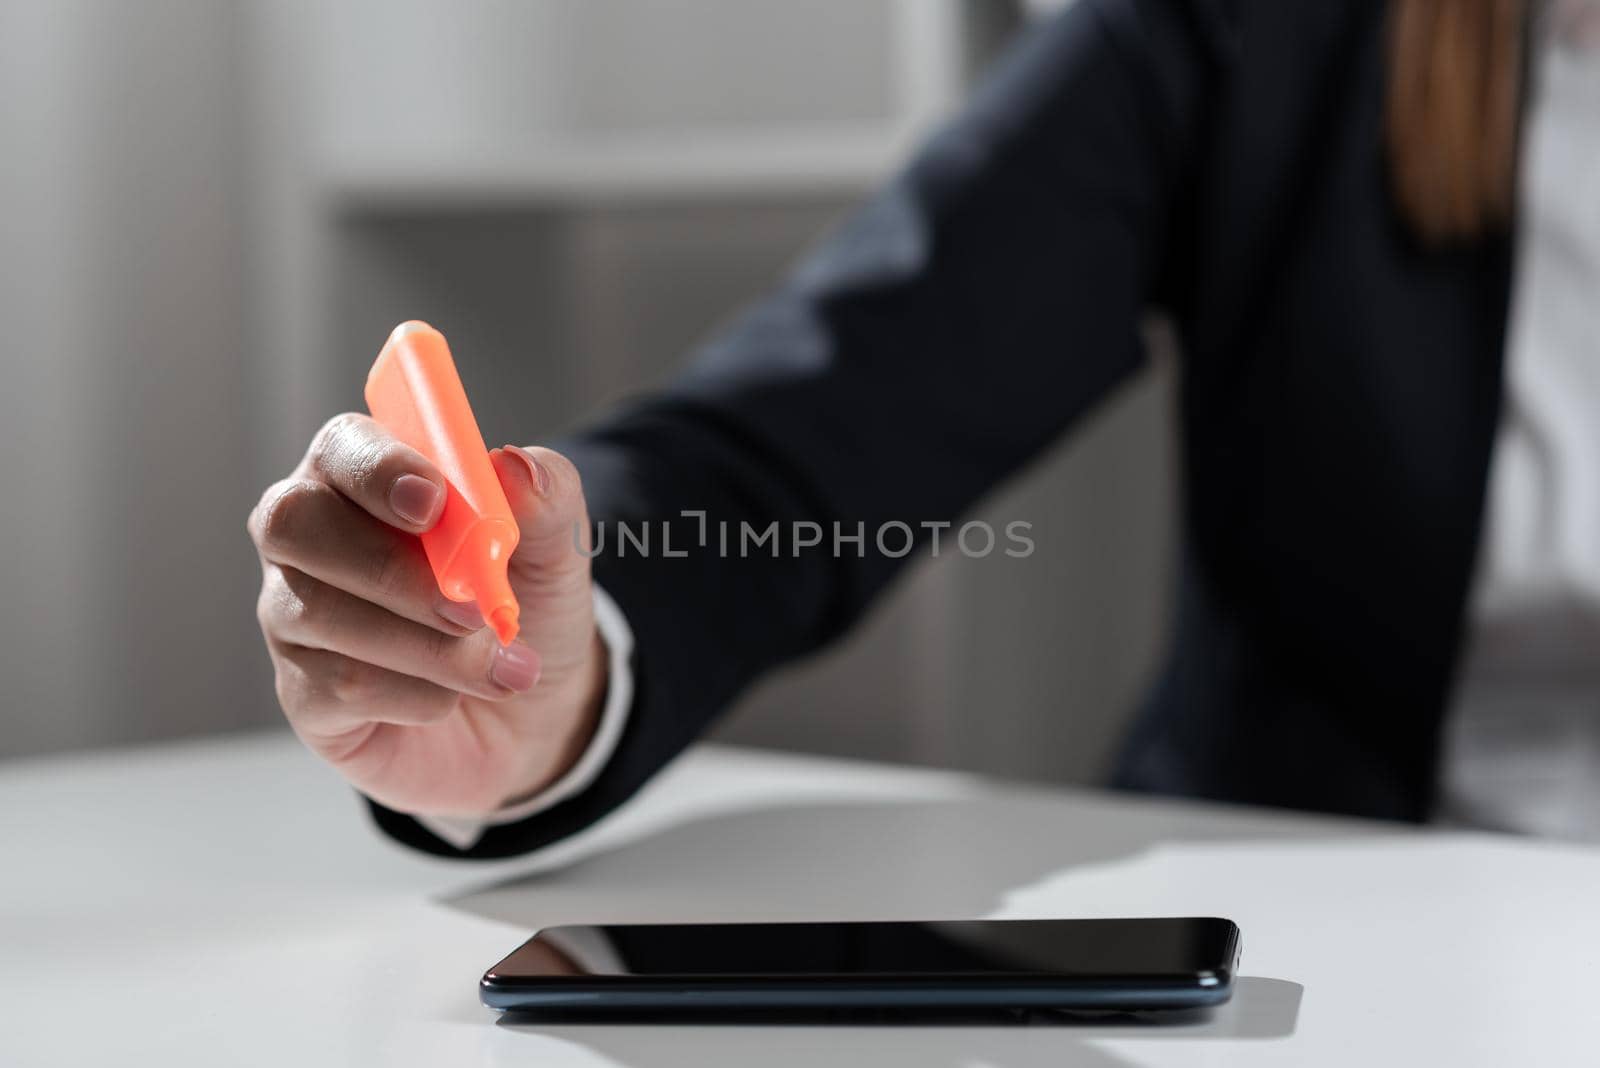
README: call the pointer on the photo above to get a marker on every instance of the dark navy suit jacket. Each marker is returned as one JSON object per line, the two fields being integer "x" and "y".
{"x": 1340, "y": 386}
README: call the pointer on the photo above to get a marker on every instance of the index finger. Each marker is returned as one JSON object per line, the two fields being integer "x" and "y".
{"x": 381, "y": 474}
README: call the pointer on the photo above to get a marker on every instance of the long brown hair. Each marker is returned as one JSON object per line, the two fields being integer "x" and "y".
{"x": 1455, "y": 80}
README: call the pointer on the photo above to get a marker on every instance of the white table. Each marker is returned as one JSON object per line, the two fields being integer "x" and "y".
{"x": 227, "y": 903}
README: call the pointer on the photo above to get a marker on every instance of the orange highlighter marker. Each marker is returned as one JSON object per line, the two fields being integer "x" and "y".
{"x": 414, "y": 391}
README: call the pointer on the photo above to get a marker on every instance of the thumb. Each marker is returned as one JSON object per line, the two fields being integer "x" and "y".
{"x": 546, "y": 498}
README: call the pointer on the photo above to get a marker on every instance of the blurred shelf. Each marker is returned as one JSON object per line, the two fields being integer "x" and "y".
{"x": 693, "y": 166}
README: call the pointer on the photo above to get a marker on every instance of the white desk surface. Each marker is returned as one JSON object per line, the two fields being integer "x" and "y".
{"x": 227, "y": 903}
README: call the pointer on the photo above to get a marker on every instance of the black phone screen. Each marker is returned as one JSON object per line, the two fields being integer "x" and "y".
{"x": 1162, "y": 961}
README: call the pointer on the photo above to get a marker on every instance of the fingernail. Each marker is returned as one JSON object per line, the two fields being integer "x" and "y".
{"x": 536, "y": 470}
{"x": 462, "y": 614}
{"x": 415, "y": 499}
{"x": 516, "y": 667}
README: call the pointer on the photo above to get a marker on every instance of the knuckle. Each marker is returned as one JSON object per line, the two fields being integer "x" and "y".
{"x": 257, "y": 522}
{"x": 276, "y": 605}
{"x": 303, "y": 606}
{"x": 332, "y": 438}
{"x": 288, "y": 691}
{"x": 370, "y": 465}
{"x": 293, "y": 685}
{"x": 349, "y": 682}
{"x": 285, "y": 516}
{"x": 266, "y": 608}
{"x": 355, "y": 453}
{"x": 318, "y": 609}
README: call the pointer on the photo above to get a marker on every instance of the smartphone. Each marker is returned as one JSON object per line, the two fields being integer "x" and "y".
{"x": 645, "y": 971}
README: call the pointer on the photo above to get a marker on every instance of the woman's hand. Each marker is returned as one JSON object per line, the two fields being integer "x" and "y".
{"x": 409, "y": 694}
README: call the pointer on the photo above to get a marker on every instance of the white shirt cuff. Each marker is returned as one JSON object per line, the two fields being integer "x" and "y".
{"x": 464, "y": 831}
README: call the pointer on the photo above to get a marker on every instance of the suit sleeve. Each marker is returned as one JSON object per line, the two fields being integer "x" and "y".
{"x": 954, "y": 327}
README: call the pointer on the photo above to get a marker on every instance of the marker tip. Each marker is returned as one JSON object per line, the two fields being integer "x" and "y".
{"x": 504, "y": 621}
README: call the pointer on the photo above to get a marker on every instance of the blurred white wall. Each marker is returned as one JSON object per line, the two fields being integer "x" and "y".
{"x": 214, "y": 212}
{"x": 126, "y": 472}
